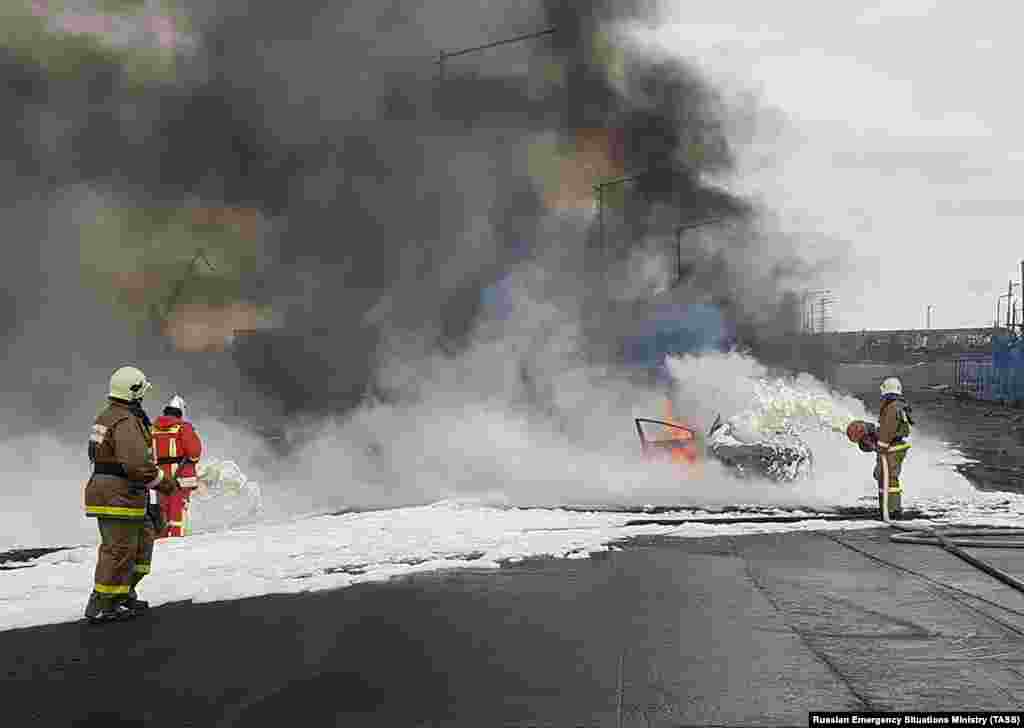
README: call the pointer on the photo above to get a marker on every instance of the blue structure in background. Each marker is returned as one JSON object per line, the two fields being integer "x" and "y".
{"x": 676, "y": 329}
{"x": 499, "y": 299}
{"x": 997, "y": 377}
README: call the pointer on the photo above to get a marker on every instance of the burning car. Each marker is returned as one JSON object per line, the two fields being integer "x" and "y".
{"x": 781, "y": 456}
{"x": 678, "y": 444}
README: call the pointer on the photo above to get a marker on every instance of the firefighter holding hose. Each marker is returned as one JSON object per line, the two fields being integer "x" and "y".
{"x": 178, "y": 448}
{"x": 889, "y": 440}
{"x": 894, "y": 423}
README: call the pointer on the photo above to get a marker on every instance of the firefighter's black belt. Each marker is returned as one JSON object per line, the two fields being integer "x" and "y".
{"x": 170, "y": 461}
{"x": 109, "y": 469}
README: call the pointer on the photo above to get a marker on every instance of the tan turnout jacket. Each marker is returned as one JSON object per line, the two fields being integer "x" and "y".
{"x": 892, "y": 423}
{"x": 121, "y": 438}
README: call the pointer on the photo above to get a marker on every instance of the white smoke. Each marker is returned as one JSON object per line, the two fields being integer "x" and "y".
{"x": 521, "y": 418}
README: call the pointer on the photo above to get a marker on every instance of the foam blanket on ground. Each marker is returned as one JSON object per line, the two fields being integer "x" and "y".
{"x": 730, "y": 631}
{"x": 330, "y": 552}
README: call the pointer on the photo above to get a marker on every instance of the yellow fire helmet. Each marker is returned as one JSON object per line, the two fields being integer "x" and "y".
{"x": 129, "y": 383}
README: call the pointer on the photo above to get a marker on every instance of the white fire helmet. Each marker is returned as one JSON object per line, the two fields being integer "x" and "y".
{"x": 128, "y": 383}
{"x": 891, "y": 385}
{"x": 176, "y": 402}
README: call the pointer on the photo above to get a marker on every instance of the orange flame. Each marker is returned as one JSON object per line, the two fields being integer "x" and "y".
{"x": 686, "y": 452}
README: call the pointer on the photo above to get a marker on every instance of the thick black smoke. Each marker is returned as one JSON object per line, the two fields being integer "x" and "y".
{"x": 393, "y": 199}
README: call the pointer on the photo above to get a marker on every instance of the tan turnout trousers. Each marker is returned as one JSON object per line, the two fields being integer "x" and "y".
{"x": 887, "y": 473}
{"x": 125, "y": 556}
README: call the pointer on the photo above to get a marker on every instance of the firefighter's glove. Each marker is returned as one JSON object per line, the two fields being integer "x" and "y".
{"x": 155, "y": 514}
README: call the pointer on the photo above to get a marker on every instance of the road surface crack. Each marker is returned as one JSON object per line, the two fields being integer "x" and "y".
{"x": 818, "y": 653}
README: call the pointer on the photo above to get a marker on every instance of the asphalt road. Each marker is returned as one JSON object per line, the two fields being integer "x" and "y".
{"x": 750, "y": 631}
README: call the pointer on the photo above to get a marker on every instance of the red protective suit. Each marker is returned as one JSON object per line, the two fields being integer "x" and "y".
{"x": 177, "y": 448}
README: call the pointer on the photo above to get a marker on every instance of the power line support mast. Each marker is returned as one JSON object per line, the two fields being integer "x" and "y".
{"x": 1022, "y": 294}
{"x": 826, "y": 317}
{"x": 179, "y": 287}
{"x": 1009, "y": 306}
{"x": 444, "y": 55}
{"x": 599, "y": 193}
{"x": 680, "y": 273}
{"x": 815, "y": 313}
{"x": 1010, "y": 318}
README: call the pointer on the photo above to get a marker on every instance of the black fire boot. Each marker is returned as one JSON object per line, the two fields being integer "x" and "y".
{"x": 106, "y": 610}
{"x": 96, "y": 604}
{"x": 135, "y": 604}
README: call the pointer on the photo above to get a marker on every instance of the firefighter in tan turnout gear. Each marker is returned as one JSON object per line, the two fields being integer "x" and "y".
{"x": 894, "y": 423}
{"x": 120, "y": 495}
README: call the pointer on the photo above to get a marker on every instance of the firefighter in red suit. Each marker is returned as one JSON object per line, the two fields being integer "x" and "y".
{"x": 177, "y": 448}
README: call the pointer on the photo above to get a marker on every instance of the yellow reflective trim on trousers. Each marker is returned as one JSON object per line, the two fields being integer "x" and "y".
{"x": 142, "y": 568}
{"x": 112, "y": 588}
{"x": 115, "y": 512}
{"x": 899, "y": 448}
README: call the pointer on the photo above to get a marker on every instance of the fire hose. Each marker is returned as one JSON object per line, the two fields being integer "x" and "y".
{"x": 953, "y": 539}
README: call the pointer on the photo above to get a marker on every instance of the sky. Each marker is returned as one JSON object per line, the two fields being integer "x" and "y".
{"x": 886, "y": 131}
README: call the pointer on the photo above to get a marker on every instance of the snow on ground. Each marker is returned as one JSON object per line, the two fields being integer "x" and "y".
{"x": 328, "y": 552}
{"x": 238, "y": 554}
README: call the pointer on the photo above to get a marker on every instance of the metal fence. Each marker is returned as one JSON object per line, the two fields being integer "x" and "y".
{"x": 998, "y": 376}
{"x": 974, "y": 375}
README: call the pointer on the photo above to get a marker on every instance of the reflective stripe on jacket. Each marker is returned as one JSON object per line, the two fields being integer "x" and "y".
{"x": 120, "y": 437}
{"x": 177, "y": 448}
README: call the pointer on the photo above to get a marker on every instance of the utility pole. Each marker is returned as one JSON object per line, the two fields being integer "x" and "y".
{"x": 599, "y": 189}
{"x": 999, "y": 308}
{"x": 679, "y": 243}
{"x": 599, "y": 192}
{"x": 1009, "y": 305}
